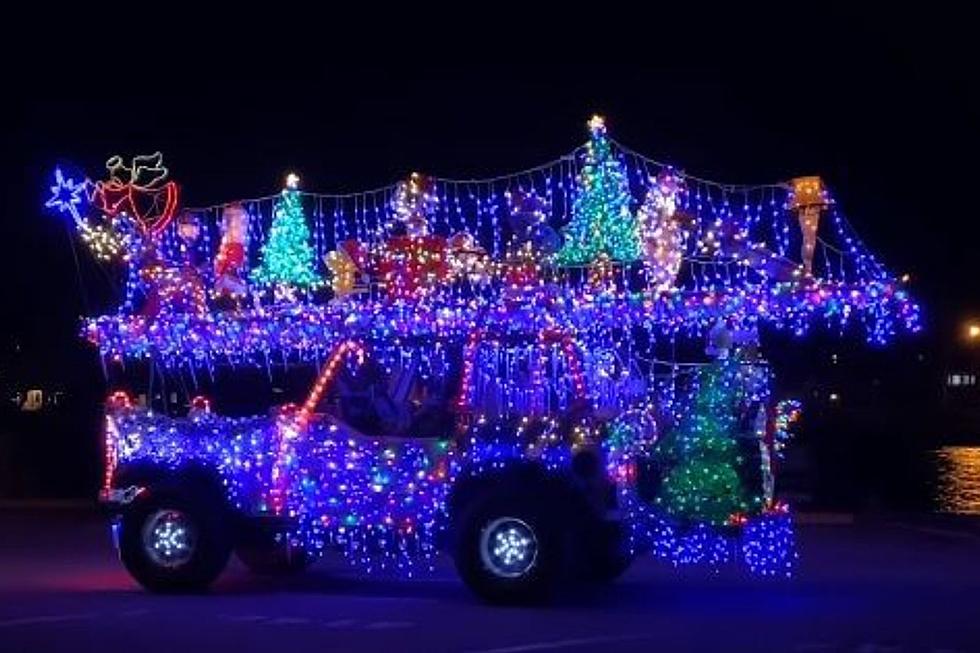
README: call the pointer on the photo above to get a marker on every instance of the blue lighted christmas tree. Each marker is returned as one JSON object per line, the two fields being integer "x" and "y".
{"x": 601, "y": 219}
{"x": 288, "y": 261}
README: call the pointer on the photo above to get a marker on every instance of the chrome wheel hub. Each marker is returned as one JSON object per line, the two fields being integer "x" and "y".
{"x": 508, "y": 547}
{"x": 169, "y": 538}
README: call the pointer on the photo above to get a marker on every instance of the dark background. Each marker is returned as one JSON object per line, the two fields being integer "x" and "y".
{"x": 882, "y": 104}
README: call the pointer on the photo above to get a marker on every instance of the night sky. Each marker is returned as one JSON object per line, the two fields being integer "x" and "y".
{"x": 884, "y": 107}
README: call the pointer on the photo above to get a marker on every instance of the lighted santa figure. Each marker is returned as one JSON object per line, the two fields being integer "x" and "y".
{"x": 229, "y": 264}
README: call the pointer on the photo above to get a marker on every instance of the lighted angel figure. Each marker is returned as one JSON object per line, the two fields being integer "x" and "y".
{"x": 138, "y": 192}
{"x": 664, "y": 231}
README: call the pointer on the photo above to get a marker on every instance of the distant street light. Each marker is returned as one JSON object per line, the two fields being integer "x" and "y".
{"x": 973, "y": 331}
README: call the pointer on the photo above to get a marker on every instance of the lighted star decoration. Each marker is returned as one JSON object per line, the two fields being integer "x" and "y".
{"x": 597, "y": 123}
{"x": 67, "y": 195}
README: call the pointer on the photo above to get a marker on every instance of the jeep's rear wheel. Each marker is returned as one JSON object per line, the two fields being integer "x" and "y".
{"x": 173, "y": 544}
{"x": 607, "y": 555}
{"x": 507, "y": 552}
{"x": 608, "y": 566}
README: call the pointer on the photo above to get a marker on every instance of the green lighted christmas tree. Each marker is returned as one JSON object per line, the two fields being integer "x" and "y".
{"x": 601, "y": 219}
{"x": 703, "y": 484}
{"x": 288, "y": 261}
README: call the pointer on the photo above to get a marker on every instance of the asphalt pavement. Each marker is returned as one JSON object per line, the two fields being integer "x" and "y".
{"x": 875, "y": 586}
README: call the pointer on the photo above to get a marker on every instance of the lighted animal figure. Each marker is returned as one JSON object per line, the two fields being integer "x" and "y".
{"x": 229, "y": 264}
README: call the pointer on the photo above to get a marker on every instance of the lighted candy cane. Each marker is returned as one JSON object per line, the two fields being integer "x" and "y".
{"x": 292, "y": 420}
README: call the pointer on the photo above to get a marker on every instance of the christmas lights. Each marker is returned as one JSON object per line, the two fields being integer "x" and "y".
{"x": 663, "y": 231}
{"x": 138, "y": 191}
{"x": 288, "y": 260}
{"x": 230, "y": 260}
{"x": 554, "y": 339}
{"x": 413, "y": 203}
{"x": 602, "y": 222}
{"x": 302, "y": 330}
{"x": 343, "y": 272}
{"x": 703, "y": 485}
{"x": 808, "y": 198}
{"x": 731, "y": 267}
{"x": 68, "y": 196}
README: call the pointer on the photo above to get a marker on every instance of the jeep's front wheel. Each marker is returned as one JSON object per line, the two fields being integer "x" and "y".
{"x": 173, "y": 544}
{"x": 507, "y": 552}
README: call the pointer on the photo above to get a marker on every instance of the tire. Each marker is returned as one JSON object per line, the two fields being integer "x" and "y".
{"x": 173, "y": 544}
{"x": 267, "y": 557}
{"x": 610, "y": 567}
{"x": 508, "y": 550}
{"x": 607, "y": 556}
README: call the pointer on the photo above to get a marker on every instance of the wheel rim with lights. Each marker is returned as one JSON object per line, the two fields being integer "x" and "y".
{"x": 508, "y": 547}
{"x": 169, "y": 538}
